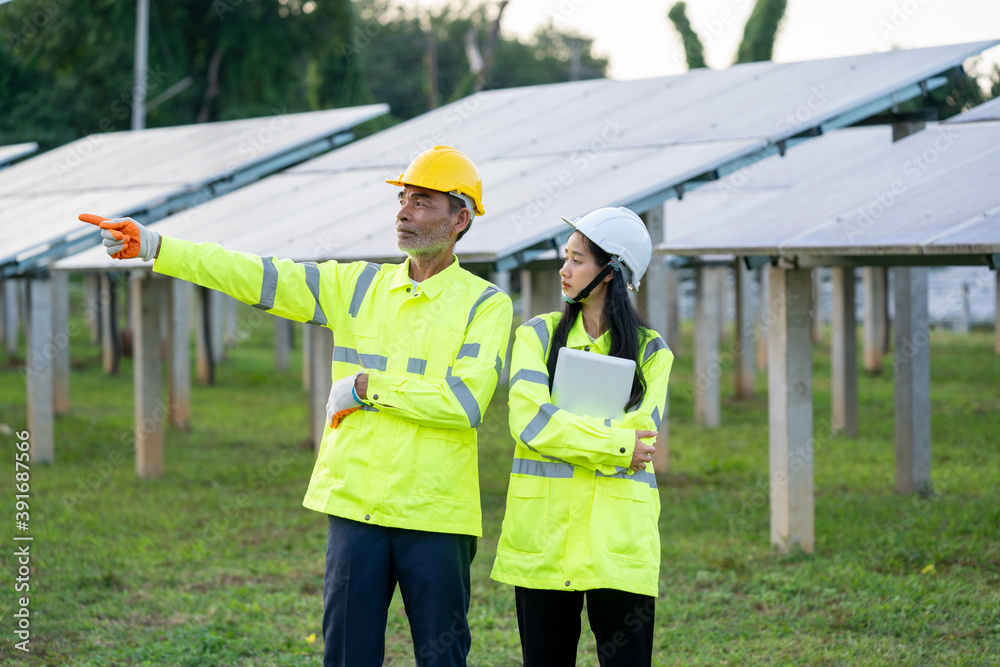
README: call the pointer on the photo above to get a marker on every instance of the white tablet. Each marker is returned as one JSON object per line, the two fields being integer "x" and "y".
{"x": 594, "y": 385}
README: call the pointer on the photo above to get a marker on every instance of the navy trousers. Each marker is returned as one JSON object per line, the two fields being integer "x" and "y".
{"x": 363, "y": 565}
{"x": 549, "y": 622}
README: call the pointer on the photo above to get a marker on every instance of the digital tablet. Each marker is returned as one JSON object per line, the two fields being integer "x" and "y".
{"x": 594, "y": 385}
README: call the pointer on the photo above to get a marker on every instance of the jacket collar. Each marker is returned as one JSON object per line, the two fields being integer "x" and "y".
{"x": 578, "y": 338}
{"x": 431, "y": 287}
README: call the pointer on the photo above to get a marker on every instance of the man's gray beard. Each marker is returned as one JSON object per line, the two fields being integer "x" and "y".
{"x": 425, "y": 251}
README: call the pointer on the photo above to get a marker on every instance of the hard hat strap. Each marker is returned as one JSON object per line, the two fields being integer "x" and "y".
{"x": 585, "y": 292}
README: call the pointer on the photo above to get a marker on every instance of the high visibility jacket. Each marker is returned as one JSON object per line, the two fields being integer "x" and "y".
{"x": 433, "y": 355}
{"x": 576, "y": 518}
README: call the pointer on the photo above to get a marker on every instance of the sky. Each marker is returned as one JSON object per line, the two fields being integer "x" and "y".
{"x": 640, "y": 42}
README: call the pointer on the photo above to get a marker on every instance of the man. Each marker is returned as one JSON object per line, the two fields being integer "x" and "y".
{"x": 418, "y": 350}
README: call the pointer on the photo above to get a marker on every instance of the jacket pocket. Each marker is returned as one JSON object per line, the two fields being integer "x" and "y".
{"x": 526, "y": 521}
{"x": 446, "y": 465}
{"x": 628, "y": 520}
{"x": 338, "y": 447}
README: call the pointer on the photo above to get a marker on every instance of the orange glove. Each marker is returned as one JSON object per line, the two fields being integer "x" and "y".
{"x": 124, "y": 238}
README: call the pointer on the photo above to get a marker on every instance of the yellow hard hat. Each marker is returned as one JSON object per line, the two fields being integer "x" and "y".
{"x": 445, "y": 169}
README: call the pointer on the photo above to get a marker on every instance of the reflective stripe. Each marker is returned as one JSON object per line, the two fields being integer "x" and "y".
{"x": 269, "y": 285}
{"x": 654, "y": 346}
{"x": 642, "y": 476}
{"x": 374, "y": 361}
{"x": 538, "y": 422}
{"x": 349, "y": 355}
{"x": 361, "y": 287}
{"x": 468, "y": 350}
{"x": 538, "y": 324}
{"x": 465, "y": 398}
{"x": 312, "y": 282}
{"x": 528, "y": 375}
{"x": 368, "y": 408}
{"x": 550, "y": 469}
{"x": 656, "y": 416}
{"x": 607, "y": 422}
{"x": 499, "y": 365}
{"x": 418, "y": 366}
{"x": 487, "y": 293}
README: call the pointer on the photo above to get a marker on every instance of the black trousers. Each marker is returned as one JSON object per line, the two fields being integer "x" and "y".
{"x": 549, "y": 622}
{"x": 363, "y": 565}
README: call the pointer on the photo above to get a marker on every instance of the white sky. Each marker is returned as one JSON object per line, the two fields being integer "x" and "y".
{"x": 640, "y": 41}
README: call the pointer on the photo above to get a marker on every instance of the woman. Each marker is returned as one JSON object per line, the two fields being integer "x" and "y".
{"x": 582, "y": 507}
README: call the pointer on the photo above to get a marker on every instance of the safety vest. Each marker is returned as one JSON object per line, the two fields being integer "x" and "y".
{"x": 577, "y": 518}
{"x": 433, "y": 355}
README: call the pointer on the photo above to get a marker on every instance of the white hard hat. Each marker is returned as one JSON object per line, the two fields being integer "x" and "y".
{"x": 622, "y": 234}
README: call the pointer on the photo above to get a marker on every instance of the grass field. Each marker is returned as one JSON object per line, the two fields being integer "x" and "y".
{"x": 217, "y": 563}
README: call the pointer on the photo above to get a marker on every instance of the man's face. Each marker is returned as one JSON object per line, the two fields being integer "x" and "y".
{"x": 424, "y": 226}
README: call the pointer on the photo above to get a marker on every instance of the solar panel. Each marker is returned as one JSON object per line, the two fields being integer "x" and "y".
{"x": 14, "y": 151}
{"x": 150, "y": 172}
{"x": 560, "y": 150}
{"x": 931, "y": 193}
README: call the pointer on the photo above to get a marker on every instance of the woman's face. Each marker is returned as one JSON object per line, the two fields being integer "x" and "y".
{"x": 579, "y": 268}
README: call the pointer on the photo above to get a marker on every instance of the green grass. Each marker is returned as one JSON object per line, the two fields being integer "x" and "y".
{"x": 217, "y": 563}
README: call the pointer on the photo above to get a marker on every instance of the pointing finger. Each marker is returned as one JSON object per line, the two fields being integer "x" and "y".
{"x": 92, "y": 219}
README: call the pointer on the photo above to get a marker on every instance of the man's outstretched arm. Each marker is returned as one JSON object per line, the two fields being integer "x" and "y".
{"x": 278, "y": 286}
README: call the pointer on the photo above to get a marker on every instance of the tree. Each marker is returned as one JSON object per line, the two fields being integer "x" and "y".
{"x": 760, "y": 31}
{"x": 67, "y": 66}
{"x": 391, "y": 46}
{"x": 961, "y": 92}
{"x": 694, "y": 51}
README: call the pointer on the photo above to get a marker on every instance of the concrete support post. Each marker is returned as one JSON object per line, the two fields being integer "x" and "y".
{"x": 744, "y": 345}
{"x": 912, "y": 365}
{"x": 3, "y": 314}
{"x": 543, "y": 292}
{"x": 111, "y": 352}
{"x": 875, "y": 307}
{"x": 653, "y": 291}
{"x": 763, "y": 319}
{"x": 39, "y": 353}
{"x": 282, "y": 344}
{"x": 790, "y": 419}
{"x": 60, "y": 342}
{"x": 181, "y": 298}
{"x": 147, "y": 293}
{"x": 844, "y": 354}
{"x": 722, "y": 309}
{"x": 11, "y": 315}
{"x": 204, "y": 340}
{"x": 996, "y": 316}
{"x": 92, "y": 306}
{"x": 322, "y": 381}
{"x": 671, "y": 281}
{"x": 216, "y": 318}
{"x": 230, "y": 334}
{"x": 818, "y": 312}
{"x": 307, "y": 330}
{"x": 502, "y": 280}
{"x": 964, "y": 318}
{"x": 708, "y": 294}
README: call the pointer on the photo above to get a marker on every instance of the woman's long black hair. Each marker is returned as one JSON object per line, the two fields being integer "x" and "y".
{"x": 620, "y": 316}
